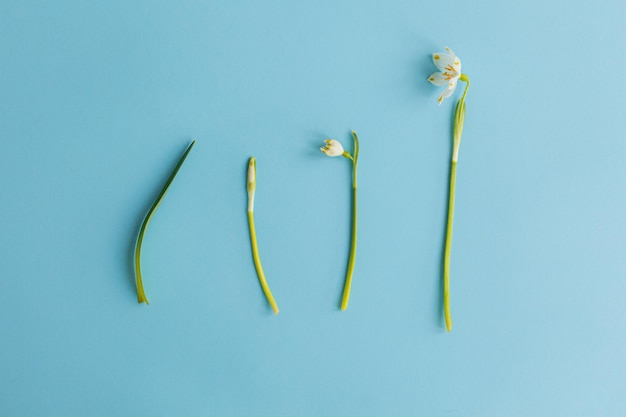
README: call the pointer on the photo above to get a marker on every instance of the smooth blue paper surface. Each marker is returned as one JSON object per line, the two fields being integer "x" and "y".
{"x": 98, "y": 100}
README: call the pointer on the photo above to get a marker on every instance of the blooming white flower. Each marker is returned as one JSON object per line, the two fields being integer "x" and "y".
{"x": 449, "y": 74}
{"x": 332, "y": 148}
{"x": 449, "y": 66}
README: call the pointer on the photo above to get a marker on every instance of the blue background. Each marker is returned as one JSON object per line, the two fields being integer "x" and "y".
{"x": 98, "y": 100}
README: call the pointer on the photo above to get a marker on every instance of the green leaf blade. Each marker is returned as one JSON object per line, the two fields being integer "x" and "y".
{"x": 141, "y": 295}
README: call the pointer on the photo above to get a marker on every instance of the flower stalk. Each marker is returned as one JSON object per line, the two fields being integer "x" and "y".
{"x": 449, "y": 74}
{"x": 457, "y": 133}
{"x": 253, "y": 240}
{"x": 334, "y": 148}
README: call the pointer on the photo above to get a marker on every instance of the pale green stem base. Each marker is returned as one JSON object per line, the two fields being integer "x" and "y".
{"x": 257, "y": 264}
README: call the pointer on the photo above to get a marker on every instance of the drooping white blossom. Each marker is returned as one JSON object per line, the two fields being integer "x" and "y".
{"x": 449, "y": 66}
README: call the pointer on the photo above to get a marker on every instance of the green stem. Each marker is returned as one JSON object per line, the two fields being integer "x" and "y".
{"x": 465, "y": 78}
{"x": 459, "y": 121}
{"x": 141, "y": 295}
{"x": 446, "y": 261}
{"x": 348, "y": 284}
{"x": 350, "y": 271}
{"x": 257, "y": 264}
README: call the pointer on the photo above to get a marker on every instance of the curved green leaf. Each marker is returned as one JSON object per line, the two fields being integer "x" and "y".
{"x": 141, "y": 295}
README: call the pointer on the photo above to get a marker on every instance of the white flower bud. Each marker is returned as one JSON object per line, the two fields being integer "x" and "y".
{"x": 332, "y": 148}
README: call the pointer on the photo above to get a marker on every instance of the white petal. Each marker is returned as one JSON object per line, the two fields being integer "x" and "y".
{"x": 447, "y": 92}
{"x": 456, "y": 64}
{"x": 438, "y": 79}
{"x": 443, "y": 61}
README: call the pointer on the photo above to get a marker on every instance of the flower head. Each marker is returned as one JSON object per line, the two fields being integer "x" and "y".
{"x": 332, "y": 148}
{"x": 251, "y": 183}
{"x": 449, "y": 66}
{"x": 252, "y": 174}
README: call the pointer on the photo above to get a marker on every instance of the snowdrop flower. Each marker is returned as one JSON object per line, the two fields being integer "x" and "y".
{"x": 332, "y": 147}
{"x": 449, "y": 66}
